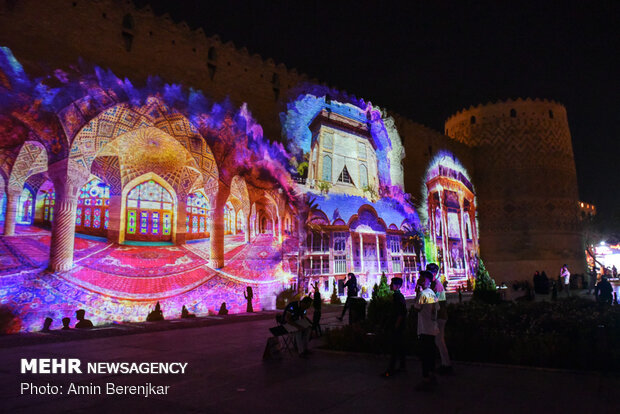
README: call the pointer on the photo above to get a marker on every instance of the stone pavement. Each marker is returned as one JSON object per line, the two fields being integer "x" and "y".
{"x": 227, "y": 375}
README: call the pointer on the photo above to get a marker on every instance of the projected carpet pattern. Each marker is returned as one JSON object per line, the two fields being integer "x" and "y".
{"x": 22, "y": 253}
{"x": 122, "y": 283}
{"x": 257, "y": 260}
{"x": 48, "y": 295}
{"x": 143, "y": 261}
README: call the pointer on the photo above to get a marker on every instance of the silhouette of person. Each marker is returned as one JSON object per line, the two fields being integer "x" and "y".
{"x": 185, "y": 313}
{"x": 316, "y": 316}
{"x": 82, "y": 322}
{"x": 65, "y": 323}
{"x": 156, "y": 314}
{"x": 397, "y": 328}
{"x": 248, "y": 296}
{"x": 351, "y": 286}
{"x": 603, "y": 291}
{"x": 46, "y": 324}
{"x": 223, "y": 310}
{"x": 295, "y": 317}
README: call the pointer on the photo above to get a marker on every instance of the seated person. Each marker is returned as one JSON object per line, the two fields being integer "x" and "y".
{"x": 82, "y": 323}
{"x": 65, "y": 323}
{"x": 295, "y": 321}
{"x": 185, "y": 313}
{"x": 46, "y": 324}
{"x": 156, "y": 315}
{"x": 223, "y": 310}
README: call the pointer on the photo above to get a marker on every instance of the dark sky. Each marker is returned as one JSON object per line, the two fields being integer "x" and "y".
{"x": 428, "y": 59}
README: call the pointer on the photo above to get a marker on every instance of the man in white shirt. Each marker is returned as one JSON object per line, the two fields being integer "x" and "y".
{"x": 565, "y": 275}
{"x": 427, "y": 306}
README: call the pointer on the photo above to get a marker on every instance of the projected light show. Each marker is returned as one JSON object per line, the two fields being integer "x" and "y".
{"x": 451, "y": 218}
{"x": 117, "y": 197}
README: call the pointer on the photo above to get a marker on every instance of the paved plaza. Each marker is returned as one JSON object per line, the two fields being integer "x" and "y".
{"x": 226, "y": 374}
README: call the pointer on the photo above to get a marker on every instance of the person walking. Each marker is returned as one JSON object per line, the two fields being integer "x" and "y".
{"x": 442, "y": 319}
{"x": 351, "y": 287}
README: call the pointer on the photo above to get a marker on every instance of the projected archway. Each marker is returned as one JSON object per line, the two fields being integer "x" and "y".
{"x": 25, "y": 207}
{"x": 150, "y": 211}
{"x": 197, "y": 220}
{"x": 92, "y": 214}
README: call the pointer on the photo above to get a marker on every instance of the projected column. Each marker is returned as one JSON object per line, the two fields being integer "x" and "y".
{"x": 12, "y": 202}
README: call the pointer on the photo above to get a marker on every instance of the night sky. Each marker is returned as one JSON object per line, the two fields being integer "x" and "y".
{"x": 428, "y": 59}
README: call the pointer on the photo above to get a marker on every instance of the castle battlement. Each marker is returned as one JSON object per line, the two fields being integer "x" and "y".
{"x": 467, "y": 124}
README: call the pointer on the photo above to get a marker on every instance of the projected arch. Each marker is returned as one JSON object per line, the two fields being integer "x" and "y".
{"x": 197, "y": 219}
{"x": 149, "y": 212}
{"x": 229, "y": 218}
{"x": 92, "y": 215}
{"x": 25, "y": 207}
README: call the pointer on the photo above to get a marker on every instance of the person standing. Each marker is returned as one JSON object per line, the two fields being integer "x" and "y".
{"x": 397, "y": 326}
{"x": 316, "y": 316}
{"x": 442, "y": 319}
{"x": 426, "y": 305}
{"x": 565, "y": 275}
{"x": 351, "y": 287}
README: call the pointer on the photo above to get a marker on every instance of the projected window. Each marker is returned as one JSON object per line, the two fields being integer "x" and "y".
{"x": 92, "y": 215}
{"x": 361, "y": 150}
{"x": 344, "y": 176}
{"x": 48, "y": 206}
{"x": 327, "y": 168}
{"x": 149, "y": 212}
{"x": 229, "y": 219}
{"x": 363, "y": 176}
{"x": 196, "y": 219}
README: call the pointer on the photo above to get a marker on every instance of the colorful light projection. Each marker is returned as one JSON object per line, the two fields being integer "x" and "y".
{"x": 150, "y": 209}
{"x": 358, "y": 219}
{"x": 92, "y": 216}
{"x": 218, "y": 149}
{"x": 197, "y": 223}
{"x": 450, "y": 216}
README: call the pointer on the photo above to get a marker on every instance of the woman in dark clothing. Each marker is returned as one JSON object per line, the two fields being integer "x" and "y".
{"x": 316, "y": 316}
{"x": 351, "y": 286}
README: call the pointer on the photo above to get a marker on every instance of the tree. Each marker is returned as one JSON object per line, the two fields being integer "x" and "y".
{"x": 485, "y": 289}
{"x": 335, "y": 299}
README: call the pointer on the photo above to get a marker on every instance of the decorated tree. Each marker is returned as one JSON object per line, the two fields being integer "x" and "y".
{"x": 485, "y": 289}
{"x": 335, "y": 299}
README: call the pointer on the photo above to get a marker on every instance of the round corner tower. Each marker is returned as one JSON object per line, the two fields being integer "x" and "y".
{"x": 526, "y": 185}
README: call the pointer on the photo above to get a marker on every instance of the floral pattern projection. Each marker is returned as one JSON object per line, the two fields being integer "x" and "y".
{"x": 451, "y": 219}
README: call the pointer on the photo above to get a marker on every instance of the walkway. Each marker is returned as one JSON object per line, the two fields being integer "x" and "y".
{"x": 226, "y": 375}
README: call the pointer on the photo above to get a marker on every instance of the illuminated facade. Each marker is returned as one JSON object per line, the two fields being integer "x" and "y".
{"x": 132, "y": 191}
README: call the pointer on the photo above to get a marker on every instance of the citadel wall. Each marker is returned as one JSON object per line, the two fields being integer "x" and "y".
{"x": 137, "y": 44}
{"x": 525, "y": 173}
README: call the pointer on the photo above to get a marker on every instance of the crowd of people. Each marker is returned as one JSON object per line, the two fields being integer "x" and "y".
{"x": 599, "y": 286}
{"x": 432, "y": 315}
